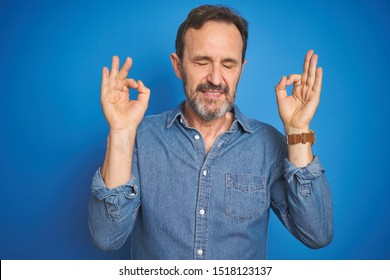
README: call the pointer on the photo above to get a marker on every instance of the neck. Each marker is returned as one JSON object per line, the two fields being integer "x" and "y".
{"x": 210, "y": 130}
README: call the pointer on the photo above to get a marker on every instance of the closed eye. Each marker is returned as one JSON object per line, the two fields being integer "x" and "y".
{"x": 229, "y": 63}
{"x": 228, "y": 66}
{"x": 201, "y": 63}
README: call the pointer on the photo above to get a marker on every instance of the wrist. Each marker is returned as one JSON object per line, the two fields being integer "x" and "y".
{"x": 300, "y": 155}
{"x": 122, "y": 137}
{"x": 296, "y": 130}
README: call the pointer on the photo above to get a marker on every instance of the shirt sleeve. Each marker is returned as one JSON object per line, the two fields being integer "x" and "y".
{"x": 301, "y": 199}
{"x": 112, "y": 212}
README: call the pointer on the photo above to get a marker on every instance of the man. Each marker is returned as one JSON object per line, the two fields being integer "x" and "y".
{"x": 198, "y": 182}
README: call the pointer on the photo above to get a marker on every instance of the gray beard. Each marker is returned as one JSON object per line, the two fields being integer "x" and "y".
{"x": 201, "y": 109}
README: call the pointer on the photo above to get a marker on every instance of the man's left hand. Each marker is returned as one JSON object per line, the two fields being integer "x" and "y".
{"x": 297, "y": 110}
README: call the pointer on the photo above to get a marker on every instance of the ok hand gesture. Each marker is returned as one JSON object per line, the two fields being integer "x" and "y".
{"x": 297, "y": 110}
{"x": 120, "y": 112}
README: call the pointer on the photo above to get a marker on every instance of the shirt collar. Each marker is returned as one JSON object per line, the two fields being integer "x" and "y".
{"x": 239, "y": 117}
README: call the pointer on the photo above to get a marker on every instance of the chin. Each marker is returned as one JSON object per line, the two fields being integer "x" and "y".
{"x": 209, "y": 114}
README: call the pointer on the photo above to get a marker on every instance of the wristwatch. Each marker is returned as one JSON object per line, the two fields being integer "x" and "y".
{"x": 303, "y": 138}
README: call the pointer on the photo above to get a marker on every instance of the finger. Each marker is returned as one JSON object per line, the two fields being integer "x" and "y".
{"x": 280, "y": 89}
{"x": 125, "y": 69}
{"x": 306, "y": 66}
{"x": 114, "y": 70}
{"x": 126, "y": 84}
{"x": 318, "y": 81}
{"x": 312, "y": 70}
{"x": 295, "y": 79}
{"x": 115, "y": 65}
{"x": 130, "y": 83}
{"x": 105, "y": 79}
{"x": 143, "y": 92}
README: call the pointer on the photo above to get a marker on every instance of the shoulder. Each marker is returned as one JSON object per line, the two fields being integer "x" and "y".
{"x": 262, "y": 136}
{"x": 268, "y": 139}
{"x": 259, "y": 127}
{"x": 256, "y": 127}
{"x": 152, "y": 120}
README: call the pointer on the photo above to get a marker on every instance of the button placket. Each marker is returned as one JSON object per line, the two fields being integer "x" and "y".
{"x": 204, "y": 191}
{"x": 203, "y": 201}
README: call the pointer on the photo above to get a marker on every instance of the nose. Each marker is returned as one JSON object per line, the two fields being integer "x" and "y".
{"x": 215, "y": 75}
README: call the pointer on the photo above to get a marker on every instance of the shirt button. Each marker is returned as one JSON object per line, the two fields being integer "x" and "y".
{"x": 201, "y": 212}
{"x": 181, "y": 120}
{"x": 204, "y": 172}
{"x": 196, "y": 137}
{"x": 200, "y": 252}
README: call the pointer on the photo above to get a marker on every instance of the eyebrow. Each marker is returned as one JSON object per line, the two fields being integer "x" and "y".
{"x": 208, "y": 58}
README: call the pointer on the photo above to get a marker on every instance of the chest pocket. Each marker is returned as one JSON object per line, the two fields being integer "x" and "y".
{"x": 245, "y": 196}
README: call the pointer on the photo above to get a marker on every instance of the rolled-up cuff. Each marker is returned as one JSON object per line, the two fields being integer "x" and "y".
{"x": 312, "y": 171}
{"x": 100, "y": 190}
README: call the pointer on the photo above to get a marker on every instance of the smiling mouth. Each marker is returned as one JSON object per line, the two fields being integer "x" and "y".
{"x": 212, "y": 94}
{"x": 212, "y": 91}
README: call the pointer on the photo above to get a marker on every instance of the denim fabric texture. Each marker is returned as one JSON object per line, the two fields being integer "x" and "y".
{"x": 182, "y": 203}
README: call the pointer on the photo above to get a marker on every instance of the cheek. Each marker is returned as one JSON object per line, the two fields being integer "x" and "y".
{"x": 193, "y": 81}
{"x": 231, "y": 76}
{"x": 238, "y": 76}
{"x": 232, "y": 82}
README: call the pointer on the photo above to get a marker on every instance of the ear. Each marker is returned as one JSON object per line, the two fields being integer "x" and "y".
{"x": 176, "y": 65}
{"x": 242, "y": 68}
{"x": 243, "y": 64}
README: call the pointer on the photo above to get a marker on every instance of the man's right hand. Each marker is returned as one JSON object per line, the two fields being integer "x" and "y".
{"x": 123, "y": 116}
{"x": 120, "y": 112}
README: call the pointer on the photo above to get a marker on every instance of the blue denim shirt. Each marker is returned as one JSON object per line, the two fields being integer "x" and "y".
{"x": 184, "y": 203}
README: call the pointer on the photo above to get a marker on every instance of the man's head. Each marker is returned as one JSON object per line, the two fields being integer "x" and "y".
{"x": 203, "y": 14}
{"x": 209, "y": 58}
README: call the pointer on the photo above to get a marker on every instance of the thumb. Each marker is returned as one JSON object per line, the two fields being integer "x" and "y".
{"x": 143, "y": 92}
{"x": 280, "y": 89}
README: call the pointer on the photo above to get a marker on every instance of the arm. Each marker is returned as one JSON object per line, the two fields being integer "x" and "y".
{"x": 301, "y": 198}
{"x": 297, "y": 110}
{"x": 115, "y": 195}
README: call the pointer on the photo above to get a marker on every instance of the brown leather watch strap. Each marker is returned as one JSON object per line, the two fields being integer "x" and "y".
{"x": 303, "y": 138}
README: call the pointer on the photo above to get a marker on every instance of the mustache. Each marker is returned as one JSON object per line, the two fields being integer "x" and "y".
{"x": 209, "y": 86}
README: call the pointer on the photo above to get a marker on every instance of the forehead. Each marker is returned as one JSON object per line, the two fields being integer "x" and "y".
{"x": 214, "y": 39}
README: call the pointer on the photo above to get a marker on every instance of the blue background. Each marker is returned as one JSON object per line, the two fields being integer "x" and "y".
{"x": 53, "y": 132}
